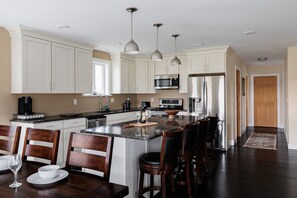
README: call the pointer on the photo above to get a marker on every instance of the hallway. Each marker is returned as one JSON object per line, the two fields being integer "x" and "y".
{"x": 255, "y": 173}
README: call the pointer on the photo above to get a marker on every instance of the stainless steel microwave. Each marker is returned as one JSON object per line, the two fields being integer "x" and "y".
{"x": 170, "y": 81}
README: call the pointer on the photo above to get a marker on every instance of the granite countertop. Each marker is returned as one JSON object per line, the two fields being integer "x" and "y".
{"x": 142, "y": 133}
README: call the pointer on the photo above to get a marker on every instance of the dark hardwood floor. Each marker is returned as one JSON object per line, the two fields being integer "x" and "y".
{"x": 247, "y": 172}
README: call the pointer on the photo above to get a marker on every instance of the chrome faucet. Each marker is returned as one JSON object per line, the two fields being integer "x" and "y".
{"x": 100, "y": 102}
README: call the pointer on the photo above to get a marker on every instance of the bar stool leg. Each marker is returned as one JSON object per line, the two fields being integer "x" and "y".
{"x": 152, "y": 184}
{"x": 141, "y": 184}
{"x": 163, "y": 187}
{"x": 172, "y": 185}
{"x": 188, "y": 177}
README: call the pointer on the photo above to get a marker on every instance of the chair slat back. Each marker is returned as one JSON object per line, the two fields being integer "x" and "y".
{"x": 9, "y": 139}
{"x": 41, "y": 143}
{"x": 189, "y": 137}
{"x": 203, "y": 129}
{"x": 171, "y": 144}
{"x": 213, "y": 125}
{"x": 97, "y": 157}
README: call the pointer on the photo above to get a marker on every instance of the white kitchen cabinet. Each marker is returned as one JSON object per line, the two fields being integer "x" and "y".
{"x": 83, "y": 71}
{"x": 207, "y": 62}
{"x": 120, "y": 117}
{"x": 30, "y": 65}
{"x": 62, "y": 68}
{"x": 142, "y": 77}
{"x": 164, "y": 67}
{"x": 123, "y": 75}
{"x": 183, "y": 76}
{"x": 151, "y": 74}
{"x": 43, "y": 64}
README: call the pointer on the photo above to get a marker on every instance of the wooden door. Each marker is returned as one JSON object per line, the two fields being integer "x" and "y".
{"x": 247, "y": 100}
{"x": 265, "y": 101}
{"x": 238, "y": 102}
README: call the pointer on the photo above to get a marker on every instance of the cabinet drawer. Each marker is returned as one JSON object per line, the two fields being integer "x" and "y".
{"x": 49, "y": 125}
{"x": 74, "y": 122}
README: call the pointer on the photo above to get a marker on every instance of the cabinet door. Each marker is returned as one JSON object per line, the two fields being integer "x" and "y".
{"x": 173, "y": 69}
{"x": 62, "y": 68}
{"x": 124, "y": 81}
{"x": 142, "y": 75}
{"x": 183, "y": 77}
{"x": 37, "y": 65}
{"x": 161, "y": 68}
{"x": 215, "y": 62}
{"x": 151, "y": 74}
{"x": 131, "y": 76}
{"x": 83, "y": 71}
{"x": 197, "y": 64}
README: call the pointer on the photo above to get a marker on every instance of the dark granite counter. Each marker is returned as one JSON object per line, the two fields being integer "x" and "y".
{"x": 143, "y": 133}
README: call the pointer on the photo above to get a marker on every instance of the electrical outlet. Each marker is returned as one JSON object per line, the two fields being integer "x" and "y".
{"x": 152, "y": 99}
{"x": 74, "y": 101}
{"x": 111, "y": 100}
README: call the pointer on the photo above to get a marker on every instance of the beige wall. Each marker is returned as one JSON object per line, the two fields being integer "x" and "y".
{"x": 8, "y": 102}
{"x": 291, "y": 87}
{"x": 268, "y": 70}
{"x": 50, "y": 104}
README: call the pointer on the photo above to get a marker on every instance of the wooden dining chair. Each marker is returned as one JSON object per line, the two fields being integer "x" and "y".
{"x": 41, "y": 146}
{"x": 185, "y": 167}
{"x": 161, "y": 163}
{"x": 9, "y": 139}
{"x": 92, "y": 152}
{"x": 213, "y": 126}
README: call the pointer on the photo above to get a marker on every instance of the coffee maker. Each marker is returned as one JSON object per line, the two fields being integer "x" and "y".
{"x": 25, "y": 106}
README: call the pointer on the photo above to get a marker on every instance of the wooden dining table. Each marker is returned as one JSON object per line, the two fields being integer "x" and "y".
{"x": 76, "y": 184}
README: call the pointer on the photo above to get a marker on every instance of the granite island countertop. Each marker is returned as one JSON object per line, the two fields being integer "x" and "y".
{"x": 142, "y": 133}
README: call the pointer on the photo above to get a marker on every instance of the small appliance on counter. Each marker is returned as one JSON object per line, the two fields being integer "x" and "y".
{"x": 146, "y": 104}
{"x": 25, "y": 109}
{"x": 171, "y": 103}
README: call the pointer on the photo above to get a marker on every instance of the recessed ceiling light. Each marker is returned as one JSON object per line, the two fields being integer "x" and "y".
{"x": 249, "y": 32}
{"x": 262, "y": 59}
{"x": 199, "y": 44}
{"x": 63, "y": 26}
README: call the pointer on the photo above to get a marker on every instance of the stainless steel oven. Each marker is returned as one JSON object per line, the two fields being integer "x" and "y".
{"x": 170, "y": 81}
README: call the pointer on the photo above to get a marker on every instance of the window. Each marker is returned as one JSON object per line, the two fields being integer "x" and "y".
{"x": 101, "y": 77}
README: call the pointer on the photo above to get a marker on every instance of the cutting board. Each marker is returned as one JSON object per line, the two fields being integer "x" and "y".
{"x": 143, "y": 124}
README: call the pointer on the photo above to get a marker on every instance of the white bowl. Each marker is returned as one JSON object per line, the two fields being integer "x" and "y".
{"x": 48, "y": 171}
{"x": 4, "y": 162}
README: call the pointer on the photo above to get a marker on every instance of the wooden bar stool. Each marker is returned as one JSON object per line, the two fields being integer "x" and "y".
{"x": 213, "y": 125}
{"x": 9, "y": 139}
{"x": 185, "y": 168}
{"x": 201, "y": 149}
{"x": 161, "y": 163}
{"x": 42, "y": 144}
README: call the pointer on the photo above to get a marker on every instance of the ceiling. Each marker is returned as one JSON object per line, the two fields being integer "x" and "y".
{"x": 105, "y": 23}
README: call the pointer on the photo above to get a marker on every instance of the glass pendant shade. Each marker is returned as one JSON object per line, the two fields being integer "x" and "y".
{"x": 131, "y": 47}
{"x": 156, "y": 55}
{"x": 175, "y": 61}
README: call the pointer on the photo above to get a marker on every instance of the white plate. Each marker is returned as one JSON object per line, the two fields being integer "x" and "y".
{"x": 4, "y": 162}
{"x": 35, "y": 179}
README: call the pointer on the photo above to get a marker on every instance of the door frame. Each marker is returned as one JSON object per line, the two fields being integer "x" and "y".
{"x": 238, "y": 100}
{"x": 252, "y": 97}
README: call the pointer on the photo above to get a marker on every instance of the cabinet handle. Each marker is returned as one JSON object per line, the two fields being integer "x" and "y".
{"x": 53, "y": 85}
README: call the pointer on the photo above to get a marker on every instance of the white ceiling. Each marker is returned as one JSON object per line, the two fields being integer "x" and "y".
{"x": 104, "y": 23}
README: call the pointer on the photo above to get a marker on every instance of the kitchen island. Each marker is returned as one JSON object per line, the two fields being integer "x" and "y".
{"x": 131, "y": 142}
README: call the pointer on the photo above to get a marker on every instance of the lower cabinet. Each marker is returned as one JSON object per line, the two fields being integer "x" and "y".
{"x": 65, "y": 127}
{"x": 120, "y": 117}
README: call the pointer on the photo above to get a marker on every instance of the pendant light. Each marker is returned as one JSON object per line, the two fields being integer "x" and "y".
{"x": 156, "y": 55}
{"x": 175, "y": 61}
{"x": 131, "y": 47}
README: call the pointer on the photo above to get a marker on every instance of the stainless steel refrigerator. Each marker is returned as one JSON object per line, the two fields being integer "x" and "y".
{"x": 207, "y": 98}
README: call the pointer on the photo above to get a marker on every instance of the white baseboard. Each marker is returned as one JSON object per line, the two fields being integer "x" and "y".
{"x": 292, "y": 146}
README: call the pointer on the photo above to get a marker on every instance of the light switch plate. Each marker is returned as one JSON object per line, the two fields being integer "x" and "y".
{"x": 74, "y": 101}
{"x": 112, "y": 100}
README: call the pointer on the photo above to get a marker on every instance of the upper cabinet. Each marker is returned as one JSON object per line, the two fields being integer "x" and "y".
{"x": 183, "y": 76}
{"x": 83, "y": 70}
{"x": 43, "y": 64}
{"x": 123, "y": 75}
{"x": 62, "y": 68}
{"x": 145, "y": 76}
{"x": 164, "y": 67}
{"x": 207, "y": 60}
